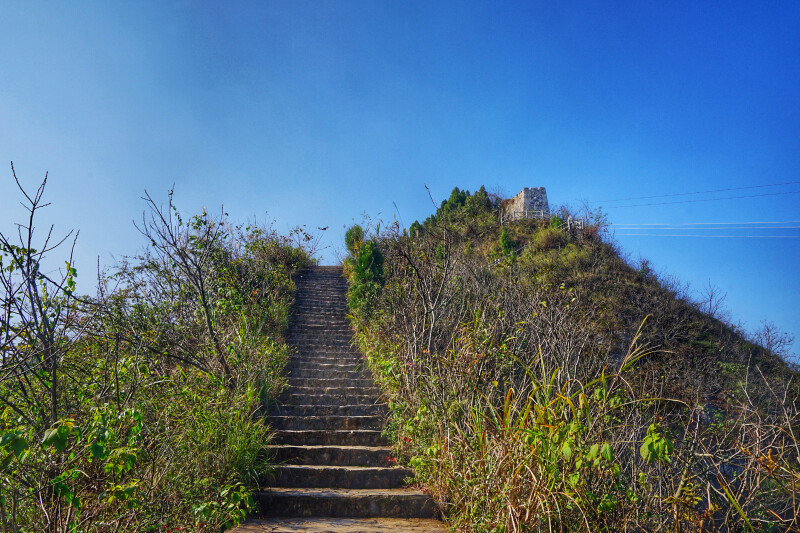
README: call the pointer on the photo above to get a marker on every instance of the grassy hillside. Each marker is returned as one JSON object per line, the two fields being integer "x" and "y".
{"x": 539, "y": 382}
{"x": 137, "y": 409}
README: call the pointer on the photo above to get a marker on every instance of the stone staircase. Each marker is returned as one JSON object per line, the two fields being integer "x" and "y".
{"x": 334, "y": 470}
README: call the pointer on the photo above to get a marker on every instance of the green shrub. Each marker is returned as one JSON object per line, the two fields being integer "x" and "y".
{"x": 133, "y": 425}
{"x": 366, "y": 278}
{"x": 507, "y": 245}
{"x": 353, "y": 238}
{"x": 548, "y": 238}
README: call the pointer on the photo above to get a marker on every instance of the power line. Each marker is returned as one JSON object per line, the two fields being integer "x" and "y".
{"x": 702, "y": 192}
{"x": 704, "y": 200}
{"x": 681, "y": 227}
{"x": 703, "y": 223}
{"x": 711, "y": 236}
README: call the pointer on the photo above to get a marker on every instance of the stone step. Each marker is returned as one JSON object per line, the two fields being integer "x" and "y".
{"x": 314, "y": 348}
{"x": 338, "y": 477}
{"x": 354, "y": 503}
{"x": 322, "y": 359}
{"x": 332, "y": 455}
{"x": 326, "y": 399}
{"x": 327, "y": 356}
{"x": 340, "y": 525}
{"x": 319, "y": 327}
{"x": 327, "y": 361}
{"x": 334, "y": 305}
{"x": 316, "y": 322}
{"x": 322, "y": 352}
{"x": 327, "y": 383}
{"x": 334, "y": 313}
{"x": 321, "y": 317}
{"x": 327, "y": 422}
{"x": 322, "y": 344}
{"x": 328, "y": 325}
{"x": 326, "y": 437}
{"x": 323, "y": 301}
{"x": 310, "y": 368}
{"x": 311, "y": 371}
{"x": 337, "y": 391}
{"x": 323, "y": 336}
{"x": 338, "y": 339}
{"x": 376, "y": 409}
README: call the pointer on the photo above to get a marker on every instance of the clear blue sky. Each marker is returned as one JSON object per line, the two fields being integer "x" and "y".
{"x": 317, "y": 112}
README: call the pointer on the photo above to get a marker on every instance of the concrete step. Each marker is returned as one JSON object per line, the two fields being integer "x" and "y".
{"x": 327, "y": 383}
{"x": 340, "y": 525}
{"x": 349, "y": 362}
{"x": 325, "y": 437}
{"x": 331, "y": 358}
{"x": 353, "y": 503}
{"x": 326, "y": 399}
{"x": 337, "y": 391}
{"x": 307, "y": 359}
{"x": 326, "y": 362}
{"x": 334, "y": 306}
{"x": 338, "y": 477}
{"x": 337, "y": 339}
{"x": 312, "y": 371}
{"x": 375, "y": 409}
{"x": 321, "y": 317}
{"x": 321, "y": 346}
{"x": 332, "y": 455}
{"x": 326, "y": 422}
{"x": 307, "y": 330}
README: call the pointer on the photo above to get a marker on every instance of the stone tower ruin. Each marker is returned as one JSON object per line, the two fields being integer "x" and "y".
{"x": 530, "y": 202}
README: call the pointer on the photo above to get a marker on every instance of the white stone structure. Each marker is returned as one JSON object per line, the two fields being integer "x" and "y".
{"x": 530, "y": 202}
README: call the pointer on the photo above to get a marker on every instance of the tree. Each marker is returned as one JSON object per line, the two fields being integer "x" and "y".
{"x": 190, "y": 248}
{"x": 38, "y": 317}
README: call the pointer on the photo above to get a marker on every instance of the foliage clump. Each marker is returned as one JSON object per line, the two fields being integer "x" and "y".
{"x": 461, "y": 207}
{"x": 138, "y": 409}
{"x": 538, "y": 382}
{"x": 364, "y": 268}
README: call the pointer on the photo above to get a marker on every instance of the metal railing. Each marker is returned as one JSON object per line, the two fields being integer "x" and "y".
{"x": 525, "y": 213}
{"x": 569, "y": 224}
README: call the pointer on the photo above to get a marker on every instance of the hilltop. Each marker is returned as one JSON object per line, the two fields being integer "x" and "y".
{"x": 539, "y": 381}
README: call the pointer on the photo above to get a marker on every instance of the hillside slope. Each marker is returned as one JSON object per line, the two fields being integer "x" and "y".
{"x": 538, "y": 381}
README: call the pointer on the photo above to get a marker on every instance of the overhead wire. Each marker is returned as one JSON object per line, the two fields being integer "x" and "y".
{"x": 670, "y": 228}
{"x": 762, "y": 229}
{"x": 702, "y": 192}
{"x": 705, "y": 229}
{"x": 703, "y": 200}
{"x": 704, "y": 223}
{"x": 710, "y": 236}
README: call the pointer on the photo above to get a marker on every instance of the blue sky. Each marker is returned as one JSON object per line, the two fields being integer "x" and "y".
{"x": 318, "y": 112}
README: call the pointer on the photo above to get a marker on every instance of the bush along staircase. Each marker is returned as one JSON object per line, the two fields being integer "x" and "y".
{"x": 334, "y": 466}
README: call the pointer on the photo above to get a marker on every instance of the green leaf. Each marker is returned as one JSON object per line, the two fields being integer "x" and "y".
{"x": 592, "y": 454}
{"x": 49, "y": 436}
{"x": 98, "y": 450}
{"x": 574, "y": 479}
{"x": 14, "y": 442}
{"x": 607, "y": 452}
{"x": 57, "y": 437}
{"x": 566, "y": 449}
